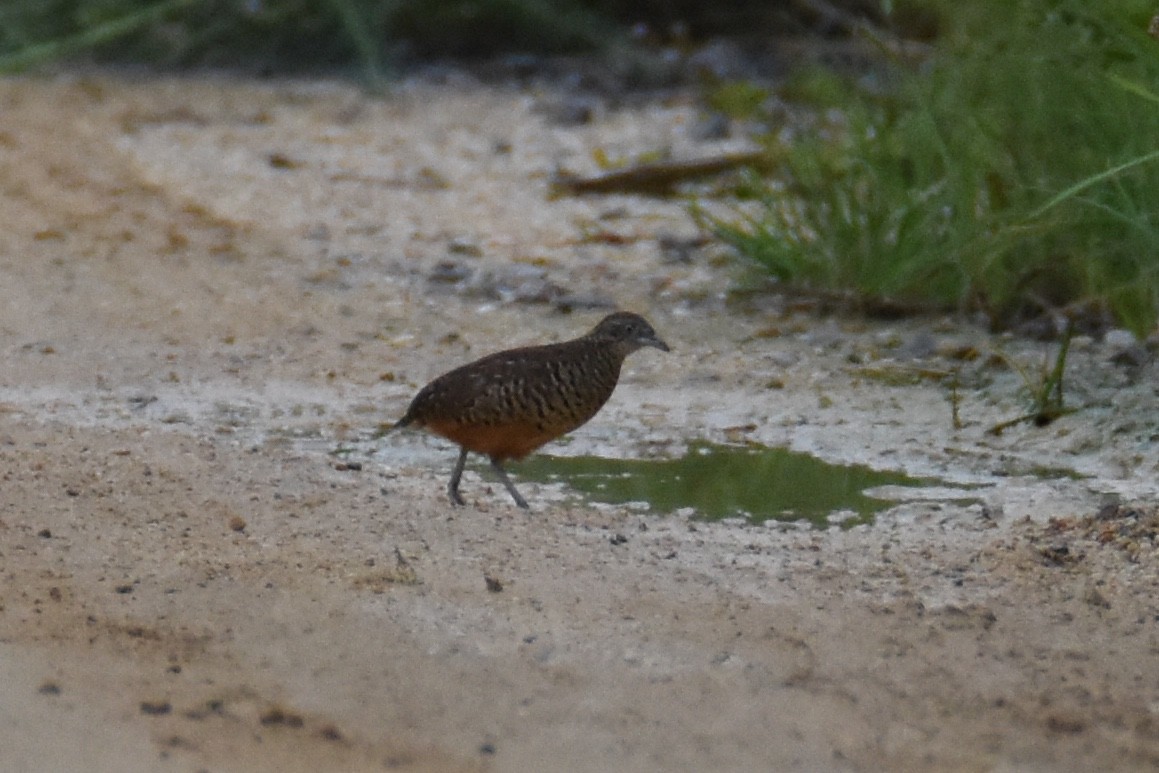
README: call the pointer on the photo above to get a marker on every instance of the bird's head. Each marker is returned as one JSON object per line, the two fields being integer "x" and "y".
{"x": 627, "y": 332}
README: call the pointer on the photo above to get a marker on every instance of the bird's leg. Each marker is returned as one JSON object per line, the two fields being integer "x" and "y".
{"x": 498, "y": 467}
{"x": 453, "y": 486}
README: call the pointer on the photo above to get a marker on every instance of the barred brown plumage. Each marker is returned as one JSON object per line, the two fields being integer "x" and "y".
{"x": 510, "y": 403}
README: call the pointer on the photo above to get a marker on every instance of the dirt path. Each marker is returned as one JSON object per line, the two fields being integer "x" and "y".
{"x": 209, "y": 286}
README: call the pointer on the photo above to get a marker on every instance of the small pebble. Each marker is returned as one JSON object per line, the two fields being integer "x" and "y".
{"x": 156, "y": 708}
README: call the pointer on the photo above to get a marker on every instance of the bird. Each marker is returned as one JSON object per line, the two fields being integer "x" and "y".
{"x": 508, "y": 404}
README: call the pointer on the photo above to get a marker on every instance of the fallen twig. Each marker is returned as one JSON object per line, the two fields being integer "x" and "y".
{"x": 656, "y": 179}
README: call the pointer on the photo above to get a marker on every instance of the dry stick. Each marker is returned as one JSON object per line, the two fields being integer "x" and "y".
{"x": 656, "y": 178}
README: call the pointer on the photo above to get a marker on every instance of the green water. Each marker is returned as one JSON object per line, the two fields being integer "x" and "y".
{"x": 724, "y": 481}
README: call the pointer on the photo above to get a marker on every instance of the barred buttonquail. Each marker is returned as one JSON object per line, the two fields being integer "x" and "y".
{"x": 510, "y": 403}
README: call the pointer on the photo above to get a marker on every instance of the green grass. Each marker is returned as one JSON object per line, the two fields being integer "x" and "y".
{"x": 1044, "y": 389}
{"x": 1017, "y": 169}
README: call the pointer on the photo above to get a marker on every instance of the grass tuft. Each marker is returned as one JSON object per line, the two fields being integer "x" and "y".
{"x": 1043, "y": 389}
{"x": 1015, "y": 170}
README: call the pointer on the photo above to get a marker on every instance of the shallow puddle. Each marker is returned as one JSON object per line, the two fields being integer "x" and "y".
{"x": 717, "y": 481}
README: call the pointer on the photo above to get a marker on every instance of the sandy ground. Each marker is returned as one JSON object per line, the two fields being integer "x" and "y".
{"x": 211, "y": 286}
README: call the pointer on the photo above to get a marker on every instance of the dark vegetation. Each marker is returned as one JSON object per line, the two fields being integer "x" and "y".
{"x": 288, "y": 35}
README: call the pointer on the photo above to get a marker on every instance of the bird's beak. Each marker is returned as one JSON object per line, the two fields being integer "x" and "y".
{"x": 654, "y": 340}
